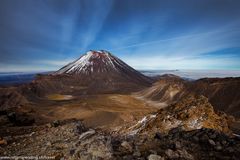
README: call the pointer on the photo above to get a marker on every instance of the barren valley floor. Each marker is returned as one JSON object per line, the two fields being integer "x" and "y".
{"x": 101, "y": 111}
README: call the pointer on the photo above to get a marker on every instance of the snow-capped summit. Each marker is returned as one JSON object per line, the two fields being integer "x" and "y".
{"x": 93, "y": 61}
{"x": 101, "y": 67}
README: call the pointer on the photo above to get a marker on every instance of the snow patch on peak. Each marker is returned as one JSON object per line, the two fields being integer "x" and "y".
{"x": 99, "y": 52}
{"x": 89, "y": 53}
{"x": 82, "y": 62}
{"x": 91, "y": 61}
{"x": 97, "y": 61}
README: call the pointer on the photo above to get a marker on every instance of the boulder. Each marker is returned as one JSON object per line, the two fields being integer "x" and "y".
{"x": 87, "y": 134}
{"x": 55, "y": 123}
{"x": 155, "y": 157}
{"x": 3, "y": 141}
{"x": 171, "y": 154}
{"x": 80, "y": 128}
{"x": 211, "y": 142}
{"x": 177, "y": 145}
{"x": 183, "y": 154}
{"x": 126, "y": 146}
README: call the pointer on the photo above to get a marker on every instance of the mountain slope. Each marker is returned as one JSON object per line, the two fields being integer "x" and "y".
{"x": 94, "y": 72}
{"x": 222, "y": 92}
{"x": 167, "y": 90}
{"x": 102, "y": 63}
{"x": 189, "y": 113}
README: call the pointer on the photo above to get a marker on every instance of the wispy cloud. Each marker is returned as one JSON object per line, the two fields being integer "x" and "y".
{"x": 162, "y": 62}
{"x": 56, "y": 63}
{"x": 146, "y": 34}
{"x": 176, "y": 39}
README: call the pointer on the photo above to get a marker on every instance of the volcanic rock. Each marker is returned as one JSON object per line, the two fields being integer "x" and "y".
{"x": 127, "y": 146}
{"x": 189, "y": 114}
{"x": 155, "y": 157}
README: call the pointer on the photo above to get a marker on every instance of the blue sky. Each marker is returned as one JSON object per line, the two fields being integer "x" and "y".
{"x": 147, "y": 34}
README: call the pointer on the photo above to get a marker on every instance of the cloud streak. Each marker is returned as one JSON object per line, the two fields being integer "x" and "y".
{"x": 146, "y": 34}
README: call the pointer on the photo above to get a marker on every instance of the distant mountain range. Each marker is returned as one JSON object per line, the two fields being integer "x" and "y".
{"x": 16, "y": 78}
{"x": 194, "y": 74}
{"x": 97, "y": 63}
{"x": 10, "y": 78}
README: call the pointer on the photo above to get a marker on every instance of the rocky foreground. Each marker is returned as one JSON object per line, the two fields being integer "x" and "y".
{"x": 72, "y": 140}
{"x": 189, "y": 129}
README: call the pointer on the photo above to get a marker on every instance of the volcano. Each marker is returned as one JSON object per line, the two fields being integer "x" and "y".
{"x": 95, "y": 62}
{"x": 97, "y": 72}
{"x": 101, "y": 62}
{"x": 101, "y": 68}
